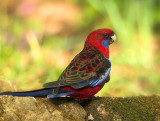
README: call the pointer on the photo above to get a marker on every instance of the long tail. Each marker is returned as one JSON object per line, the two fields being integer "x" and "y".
{"x": 35, "y": 93}
{"x": 38, "y": 93}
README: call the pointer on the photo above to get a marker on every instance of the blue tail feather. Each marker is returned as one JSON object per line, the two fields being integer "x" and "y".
{"x": 38, "y": 93}
{"x": 34, "y": 93}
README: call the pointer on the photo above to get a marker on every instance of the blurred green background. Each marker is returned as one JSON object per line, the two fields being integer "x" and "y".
{"x": 39, "y": 38}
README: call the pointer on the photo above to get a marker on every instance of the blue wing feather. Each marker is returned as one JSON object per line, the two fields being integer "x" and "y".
{"x": 102, "y": 79}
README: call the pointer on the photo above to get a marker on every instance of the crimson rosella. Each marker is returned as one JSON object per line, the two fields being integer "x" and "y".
{"x": 85, "y": 75}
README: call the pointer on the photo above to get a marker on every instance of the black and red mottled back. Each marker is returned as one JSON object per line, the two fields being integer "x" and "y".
{"x": 89, "y": 64}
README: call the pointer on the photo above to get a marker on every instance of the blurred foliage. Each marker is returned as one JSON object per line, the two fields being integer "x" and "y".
{"x": 39, "y": 38}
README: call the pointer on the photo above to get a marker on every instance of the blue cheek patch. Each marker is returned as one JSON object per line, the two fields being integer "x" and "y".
{"x": 105, "y": 43}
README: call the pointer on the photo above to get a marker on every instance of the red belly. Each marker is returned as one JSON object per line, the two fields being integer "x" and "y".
{"x": 83, "y": 93}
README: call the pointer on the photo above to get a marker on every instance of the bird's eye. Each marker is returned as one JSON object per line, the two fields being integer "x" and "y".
{"x": 105, "y": 35}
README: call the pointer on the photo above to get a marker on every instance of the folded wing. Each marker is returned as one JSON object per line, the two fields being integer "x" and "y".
{"x": 84, "y": 71}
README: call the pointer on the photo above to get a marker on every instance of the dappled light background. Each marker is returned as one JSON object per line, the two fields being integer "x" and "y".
{"x": 39, "y": 38}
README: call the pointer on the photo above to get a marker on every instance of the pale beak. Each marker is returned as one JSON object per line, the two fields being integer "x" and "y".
{"x": 112, "y": 39}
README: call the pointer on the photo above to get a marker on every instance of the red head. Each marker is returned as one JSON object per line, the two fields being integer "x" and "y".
{"x": 101, "y": 39}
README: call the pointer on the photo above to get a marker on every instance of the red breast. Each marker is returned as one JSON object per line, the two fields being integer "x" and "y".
{"x": 83, "y": 93}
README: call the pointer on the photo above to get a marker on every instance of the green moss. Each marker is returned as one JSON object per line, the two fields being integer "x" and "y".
{"x": 130, "y": 108}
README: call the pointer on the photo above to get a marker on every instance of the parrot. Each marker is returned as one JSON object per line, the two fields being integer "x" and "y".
{"x": 86, "y": 74}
